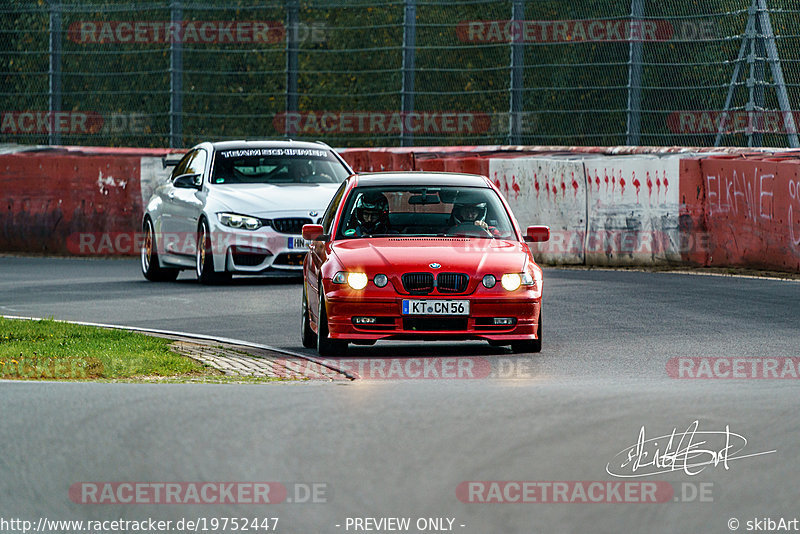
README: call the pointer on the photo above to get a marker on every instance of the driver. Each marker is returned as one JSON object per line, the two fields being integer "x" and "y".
{"x": 371, "y": 215}
{"x": 300, "y": 170}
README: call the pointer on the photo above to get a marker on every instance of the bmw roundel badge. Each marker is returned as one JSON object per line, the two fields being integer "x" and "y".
{"x": 434, "y": 265}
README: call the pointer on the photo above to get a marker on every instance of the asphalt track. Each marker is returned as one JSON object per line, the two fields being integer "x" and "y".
{"x": 400, "y": 448}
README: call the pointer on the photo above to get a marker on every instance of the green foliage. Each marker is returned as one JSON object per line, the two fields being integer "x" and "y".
{"x": 350, "y": 59}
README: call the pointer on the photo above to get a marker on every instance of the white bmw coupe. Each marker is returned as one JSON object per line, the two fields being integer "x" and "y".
{"x": 238, "y": 207}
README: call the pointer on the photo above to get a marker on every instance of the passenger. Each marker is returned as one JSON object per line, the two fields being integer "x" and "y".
{"x": 470, "y": 210}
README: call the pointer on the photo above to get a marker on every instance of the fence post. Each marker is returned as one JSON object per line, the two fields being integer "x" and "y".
{"x": 777, "y": 74}
{"x": 517, "y": 73}
{"x": 54, "y": 137}
{"x": 292, "y": 53}
{"x": 176, "y": 79}
{"x": 409, "y": 58}
{"x": 635, "y": 74}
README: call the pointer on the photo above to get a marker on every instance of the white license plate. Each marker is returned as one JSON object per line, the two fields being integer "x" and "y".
{"x": 297, "y": 242}
{"x": 435, "y": 307}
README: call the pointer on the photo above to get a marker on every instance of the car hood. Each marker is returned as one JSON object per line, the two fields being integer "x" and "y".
{"x": 260, "y": 200}
{"x": 473, "y": 256}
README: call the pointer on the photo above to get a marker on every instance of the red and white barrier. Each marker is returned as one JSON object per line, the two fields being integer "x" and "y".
{"x": 605, "y": 206}
{"x": 551, "y": 189}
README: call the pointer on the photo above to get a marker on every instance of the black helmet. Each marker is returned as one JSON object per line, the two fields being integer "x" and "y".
{"x": 469, "y": 200}
{"x": 376, "y": 205}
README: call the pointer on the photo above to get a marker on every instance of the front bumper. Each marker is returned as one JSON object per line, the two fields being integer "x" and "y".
{"x": 392, "y": 324}
{"x": 257, "y": 252}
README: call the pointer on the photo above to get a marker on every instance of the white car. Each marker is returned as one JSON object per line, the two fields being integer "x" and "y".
{"x": 238, "y": 207}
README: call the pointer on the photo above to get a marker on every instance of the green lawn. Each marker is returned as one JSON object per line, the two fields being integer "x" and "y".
{"x": 48, "y": 349}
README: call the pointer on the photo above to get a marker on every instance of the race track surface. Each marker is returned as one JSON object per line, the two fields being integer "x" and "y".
{"x": 402, "y": 447}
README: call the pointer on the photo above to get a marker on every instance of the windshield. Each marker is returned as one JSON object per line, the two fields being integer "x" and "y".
{"x": 277, "y": 166}
{"x": 425, "y": 211}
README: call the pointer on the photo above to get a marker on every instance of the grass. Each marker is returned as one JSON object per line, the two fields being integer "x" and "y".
{"x": 47, "y": 349}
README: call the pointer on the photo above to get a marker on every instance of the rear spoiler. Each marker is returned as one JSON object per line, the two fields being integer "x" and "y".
{"x": 171, "y": 160}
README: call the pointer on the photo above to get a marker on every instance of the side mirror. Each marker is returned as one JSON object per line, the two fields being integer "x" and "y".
{"x": 313, "y": 232}
{"x": 187, "y": 181}
{"x": 537, "y": 233}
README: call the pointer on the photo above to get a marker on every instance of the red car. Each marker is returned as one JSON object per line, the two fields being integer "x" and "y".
{"x": 420, "y": 256}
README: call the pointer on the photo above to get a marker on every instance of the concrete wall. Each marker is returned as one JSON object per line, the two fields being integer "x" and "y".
{"x": 605, "y": 206}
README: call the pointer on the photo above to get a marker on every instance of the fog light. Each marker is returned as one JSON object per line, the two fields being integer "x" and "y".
{"x": 503, "y": 321}
{"x": 489, "y": 281}
{"x": 381, "y": 280}
{"x": 364, "y": 320}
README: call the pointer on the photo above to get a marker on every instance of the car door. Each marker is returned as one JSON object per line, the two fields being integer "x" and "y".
{"x": 187, "y": 204}
{"x": 165, "y": 223}
{"x": 318, "y": 250}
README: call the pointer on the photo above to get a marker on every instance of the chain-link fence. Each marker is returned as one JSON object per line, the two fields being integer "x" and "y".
{"x": 407, "y": 72}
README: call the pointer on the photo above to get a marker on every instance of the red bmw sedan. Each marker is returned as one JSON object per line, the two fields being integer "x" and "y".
{"x": 420, "y": 256}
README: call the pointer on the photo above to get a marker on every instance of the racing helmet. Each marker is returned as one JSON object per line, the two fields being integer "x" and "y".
{"x": 469, "y": 207}
{"x": 371, "y": 211}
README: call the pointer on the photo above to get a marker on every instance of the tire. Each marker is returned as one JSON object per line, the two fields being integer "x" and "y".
{"x": 307, "y": 335}
{"x": 534, "y": 345}
{"x": 204, "y": 260}
{"x": 149, "y": 258}
{"x": 325, "y": 345}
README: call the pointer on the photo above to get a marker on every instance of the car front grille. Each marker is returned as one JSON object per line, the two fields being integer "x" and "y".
{"x": 290, "y": 225}
{"x": 452, "y": 282}
{"x": 418, "y": 283}
{"x": 422, "y": 283}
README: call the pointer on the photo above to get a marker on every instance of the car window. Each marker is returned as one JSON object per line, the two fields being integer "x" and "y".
{"x": 330, "y": 213}
{"x": 277, "y": 166}
{"x": 425, "y": 211}
{"x": 180, "y": 168}
{"x": 197, "y": 165}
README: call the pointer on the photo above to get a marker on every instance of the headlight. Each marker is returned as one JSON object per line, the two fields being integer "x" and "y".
{"x": 511, "y": 281}
{"x": 381, "y": 280}
{"x": 234, "y": 220}
{"x": 355, "y": 280}
{"x": 489, "y": 281}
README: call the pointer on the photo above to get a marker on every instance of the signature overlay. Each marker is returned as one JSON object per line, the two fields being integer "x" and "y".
{"x": 690, "y": 451}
